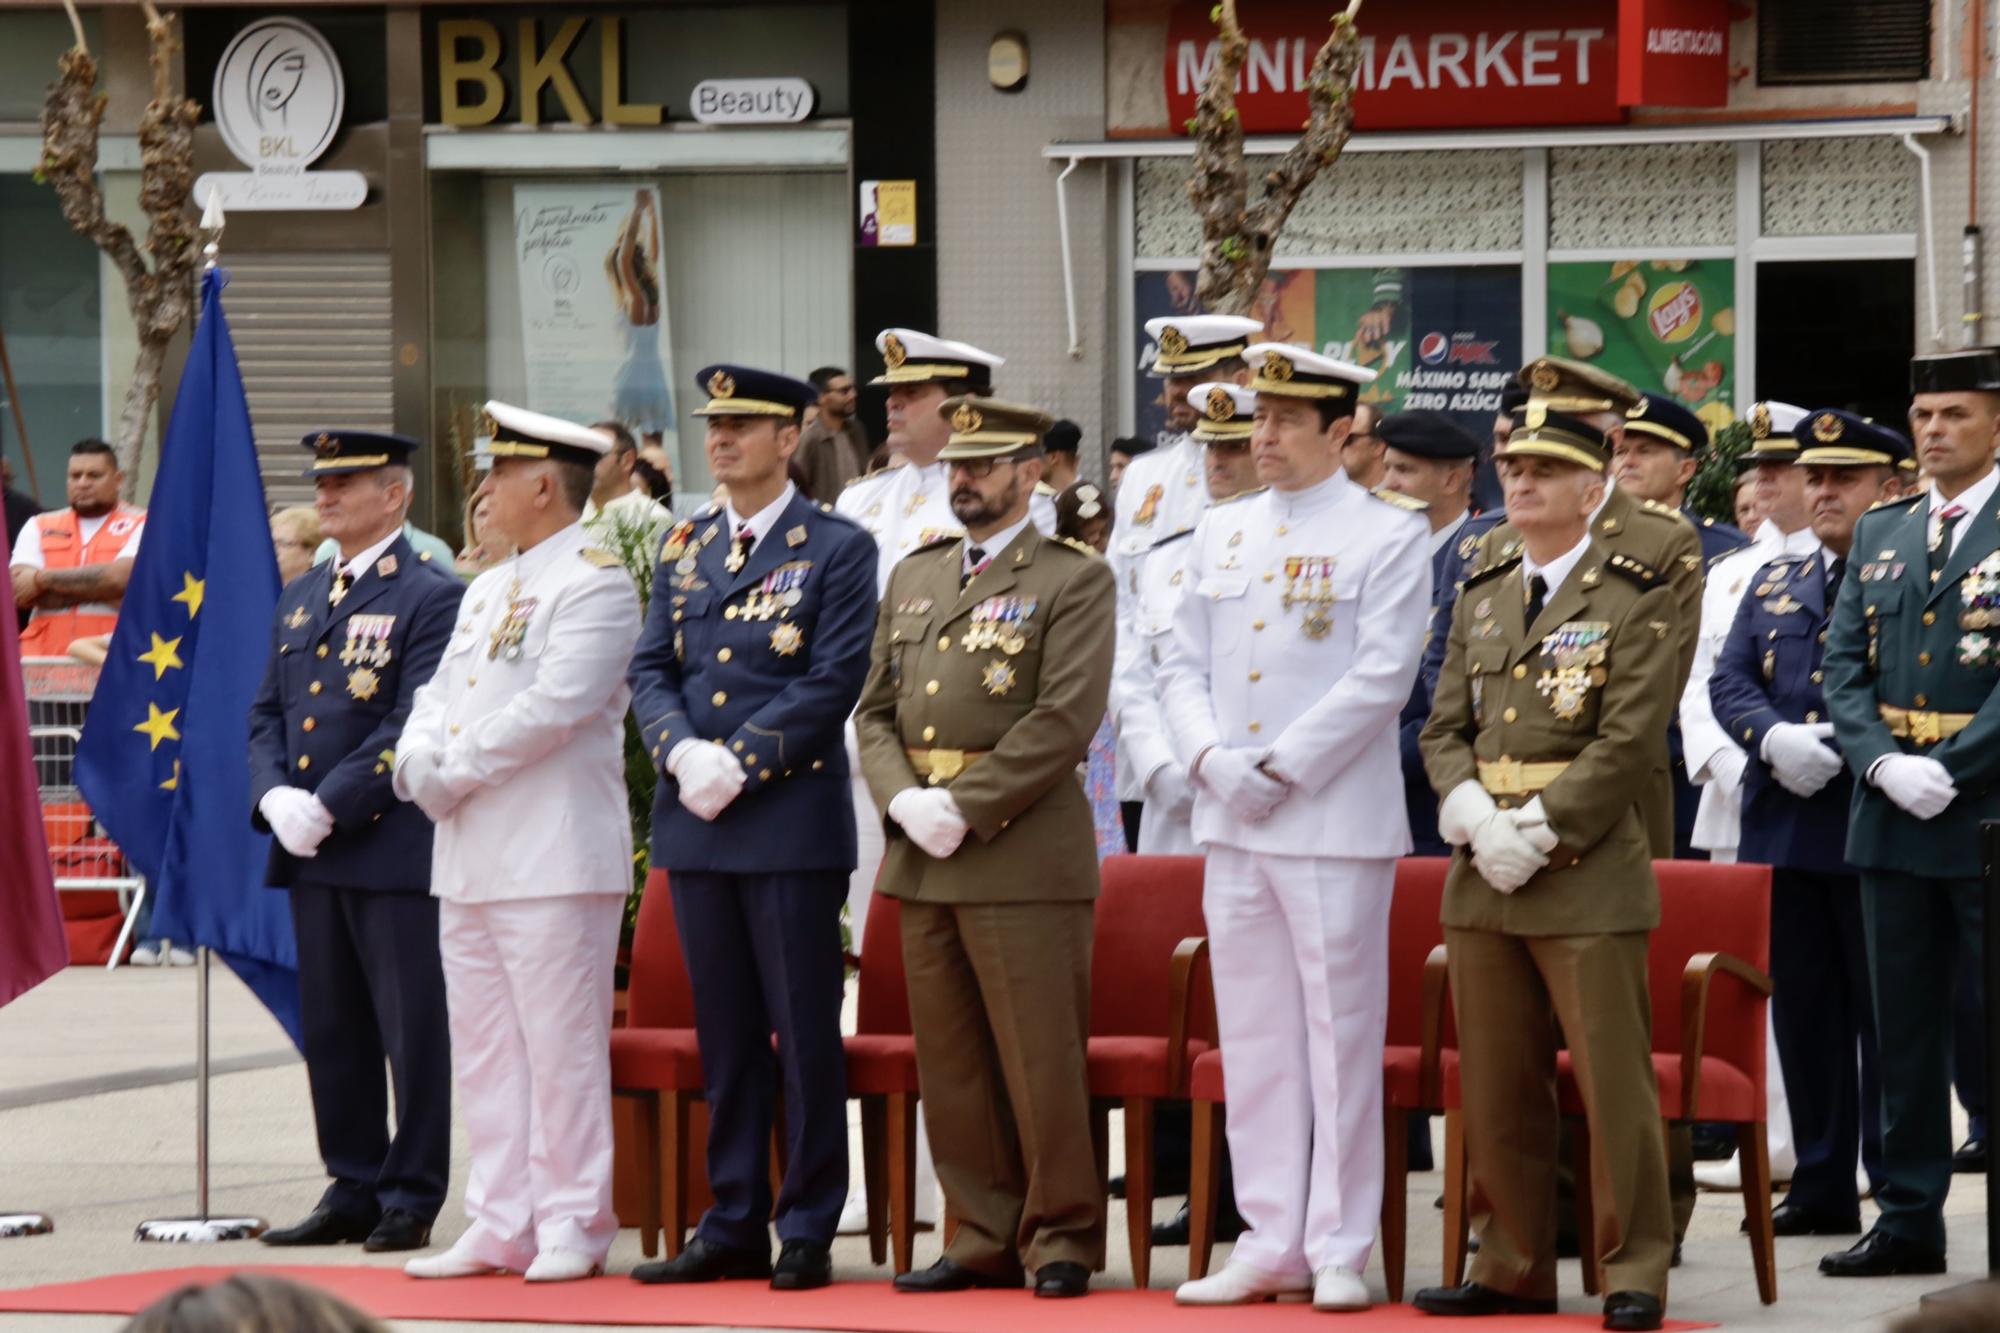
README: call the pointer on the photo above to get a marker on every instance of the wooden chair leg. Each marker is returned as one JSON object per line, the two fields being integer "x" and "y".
{"x": 1754, "y": 1151}
{"x": 875, "y": 1174}
{"x": 1456, "y": 1184}
{"x": 902, "y": 1108}
{"x": 1204, "y": 1182}
{"x": 1139, "y": 1187}
{"x": 672, "y": 1116}
{"x": 646, "y": 1164}
{"x": 1395, "y": 1196}
{"x": 1586, "y": 1211}
{"x": 1100, "y": 1139}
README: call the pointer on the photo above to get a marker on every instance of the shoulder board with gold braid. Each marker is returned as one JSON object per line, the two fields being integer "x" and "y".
{"x": 1084, "y": 548}
{"x": 1043, "y": 488}
{"x": 1664, "y": 511}
{"x": 947, "y": 539}
{"x": 1400, "y": 500}
{"x": 601, "y": 558}
{"x": 1240, "y": 495}
{"x": 1900, "y": 502}
{"x": 1492, "y": 571}
{"x": 1638, "y": 571}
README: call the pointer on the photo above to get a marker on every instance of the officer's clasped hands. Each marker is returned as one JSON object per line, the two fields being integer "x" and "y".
{"x": 1232, "y": 774}
{"x": 297, "y": 819}
{"x": 1921, "y": 786}
{"x": 710, "y": 777}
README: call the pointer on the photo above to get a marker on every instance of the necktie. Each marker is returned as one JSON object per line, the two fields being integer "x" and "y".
{"x": 975, "y": 560}
{"x": 1538, "y": 589}
{"x": 1940, "y": 552}
{"x": 739, "y": 550}
{"x": 341, "y": 583}
{"x": 1835, "y": 573}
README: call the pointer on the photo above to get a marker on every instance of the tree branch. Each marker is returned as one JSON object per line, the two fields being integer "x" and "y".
{"x": 1219, "y": 187}
{"x": 1330, "y": 94}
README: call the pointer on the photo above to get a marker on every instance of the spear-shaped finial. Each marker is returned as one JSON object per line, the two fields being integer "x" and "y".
{"x": 212, "y": 222}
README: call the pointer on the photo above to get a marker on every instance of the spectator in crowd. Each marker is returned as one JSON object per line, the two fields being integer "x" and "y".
{"x": 1749, "y": 517}
{"x": 833, "y": 447}
{"x": 651, "y": 482}
{"x": 1123, "y": 450}
{"x": 252, "y": 1303}
{"x": 1363, "y": 457}
{"x": 617, "y": 506}
{"x": 294, "y": 536}
{"x": 485, "y": 545}
{"x": 1063, "y": 446}
{"x": 70, "y": 566}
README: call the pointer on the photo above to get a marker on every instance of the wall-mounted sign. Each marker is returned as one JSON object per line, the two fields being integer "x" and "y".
{"x": 1673, "y": 52}
{"x": 752, "y": 101}
{"x": 1443, "y": 64}
{"x": 473, "y": 88}
{"x": 888, "y": 212}
{"x": 278, "y": 97}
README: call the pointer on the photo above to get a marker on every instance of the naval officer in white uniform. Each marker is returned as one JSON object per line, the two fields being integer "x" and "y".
{"x": 1163, "y": 493}
{"x": 1294, "y": 653}
{"x": 1146, "y": 635}
{"x": 516, "y": 748}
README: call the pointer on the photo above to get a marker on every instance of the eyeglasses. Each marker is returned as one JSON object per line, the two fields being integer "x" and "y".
{"x": 979, "y": 469}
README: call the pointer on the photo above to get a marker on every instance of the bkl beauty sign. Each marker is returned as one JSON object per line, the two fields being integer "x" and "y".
{"x": 1443, "y": 64}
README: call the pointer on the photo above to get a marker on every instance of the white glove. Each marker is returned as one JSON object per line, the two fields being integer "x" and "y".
{"x": 931, "y": 818}
{"x": 297, "y": 819}
{"x": 1919, "y": 785}
{"x": 710, "y": 777}
{"x": 1501, "y": 854}
{"x": 1533, "y": 821}
{"x": 1464, "y": 808}
{"x": 1168, "y": 791}
{"x": 1725, "y": 770}
{"x": 1800, "y": 761}
{"x": 1245, "y": 790}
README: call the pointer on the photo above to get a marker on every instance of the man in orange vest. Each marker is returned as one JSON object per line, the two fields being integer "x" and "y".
{"x": 70, "y": 567}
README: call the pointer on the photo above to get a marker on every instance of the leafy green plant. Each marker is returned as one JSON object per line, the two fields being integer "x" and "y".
{"x": 636, "y": 545}
{"x": 1712, "y": 493}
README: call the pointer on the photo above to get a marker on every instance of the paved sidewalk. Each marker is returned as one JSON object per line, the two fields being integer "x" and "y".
{"x": 96, "y": 1128}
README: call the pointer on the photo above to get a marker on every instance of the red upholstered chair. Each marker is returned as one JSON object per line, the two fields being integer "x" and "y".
{"x": 1706, "y": 973}
{"x": 1146, "y": 1021}
{"x": 882, "y": 1073}
{"x": 656, "y": 1060}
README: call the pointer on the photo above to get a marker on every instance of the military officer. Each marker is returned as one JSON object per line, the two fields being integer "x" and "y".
{"x": 1911, "y": 669}
{"x": 1293, "y": 652}
{"x": 1767, "y": 691}
{"x": 354, "y": 638}
{"x": 755, "y": 648}
{"x": 1558, "y": 670}
{"x": 991, "y": 662}
{"x": 1428, "y": 456}
{"x": 516, "y": 748}
{"x": 1163, "y": 492}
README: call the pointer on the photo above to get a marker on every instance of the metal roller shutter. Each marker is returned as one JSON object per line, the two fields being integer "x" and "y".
{"x": 313, "y": 337}
{"x": 1861, "y": 41}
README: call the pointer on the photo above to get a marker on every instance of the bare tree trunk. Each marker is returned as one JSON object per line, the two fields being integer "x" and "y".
{"x": 142, "y": 395}
{"x": 1239, "y": 236}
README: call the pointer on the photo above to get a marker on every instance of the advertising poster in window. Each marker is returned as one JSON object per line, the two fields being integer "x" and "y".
{"x": 594, "y": 324}
{"x": 1446, "y": 339}
{"x": 1667, "y": 326}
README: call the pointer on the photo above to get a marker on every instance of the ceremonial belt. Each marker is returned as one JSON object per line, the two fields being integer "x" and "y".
{"x": 943, "y": 765}
{"x": 1925, "y": 728}
{"x": 1511, "y": 777}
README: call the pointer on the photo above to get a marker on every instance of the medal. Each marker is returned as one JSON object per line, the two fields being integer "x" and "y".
{"x": 297, "y": 619}
{"x": 786, "y": 638}
{"x": 362, "y": 683}
{"x": 998, "y": 677}
{"x": 506, "y": 640}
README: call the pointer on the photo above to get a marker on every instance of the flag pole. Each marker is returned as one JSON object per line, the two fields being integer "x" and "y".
{"x": 202, "y": 1228}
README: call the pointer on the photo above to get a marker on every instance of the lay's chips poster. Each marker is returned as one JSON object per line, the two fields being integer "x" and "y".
{"x": 1667, "y": 326}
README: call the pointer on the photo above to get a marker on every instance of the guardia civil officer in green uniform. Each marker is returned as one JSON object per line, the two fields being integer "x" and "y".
{"x": 1557, "y": 687}
{"x": 1911, "y": 669}
{"x": 990, "y": 668}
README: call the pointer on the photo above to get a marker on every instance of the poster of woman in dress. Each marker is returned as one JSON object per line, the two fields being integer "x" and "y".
{"x": 596, "y": 347}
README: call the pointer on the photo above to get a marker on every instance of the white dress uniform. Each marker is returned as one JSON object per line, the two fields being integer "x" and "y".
{"x": 1300, "y": 639}
{"x": 516, "y": 748}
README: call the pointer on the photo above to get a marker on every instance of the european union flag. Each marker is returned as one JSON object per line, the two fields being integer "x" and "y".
{"x": 162, "y": 756}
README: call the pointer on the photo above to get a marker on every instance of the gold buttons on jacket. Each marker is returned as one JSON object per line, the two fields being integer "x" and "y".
{"x": 305, "y": 761}
{"x": 930, "y": 733}
{"x": 1256, "y": 624}
{"x": 1812, "y": 715}
{"x": 719, "y": 698}
{"x": 455, "y": 728}
{"x": 1923, "y": 659}
{"x": 944, "y": 643}
{"x": 1509, "y": 715}
{"x": 1520, "y": 671}
{"x": 729, "y": 613}
{"x": 307, "y": 725}
{"x": 1256, "y": 676}
{"x": 930, "y": 687}
{"x": 764, "y": 776}
{"x": 1256, "y": 726}
{"x": 818, "y": 764}
{"x": 1922, "y": 700}
{"x": 1816, "y": 676}
{"x": 723, "y": 654}
{"x": 1930, "y": 618}
{"x": 737, "y": 746}
{"x": 313, "y": 688}
{"x": 320, "y": 651}
{"x": 471, "y": 680}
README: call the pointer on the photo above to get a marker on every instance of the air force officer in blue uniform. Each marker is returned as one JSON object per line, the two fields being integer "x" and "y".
{"x": 355, "y": 637}
{"x": 755, "y": 649}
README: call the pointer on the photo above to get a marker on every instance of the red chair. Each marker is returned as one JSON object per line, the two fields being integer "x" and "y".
{"x": 1410, "y": 1071}
{"x": 1142, "y": 988}
{"x": 656, "y": 1060}
{"x": 882, "y": 1073}
{"x": 1708, "y": 1047}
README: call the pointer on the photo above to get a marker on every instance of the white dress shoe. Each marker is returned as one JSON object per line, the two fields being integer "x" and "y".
{"x": 1338, "y": 1288}
{"x": 454, "y": 1262}
{"x": 1727, "y": 1177}
{"x": 562, "y": 1266}
{"x": 1240, "y": 1284}
{"x": 853, "y": 1216}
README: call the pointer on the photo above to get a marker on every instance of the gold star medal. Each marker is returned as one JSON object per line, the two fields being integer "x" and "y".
{"x": 362, "y": 683}
{"x": 998, "y": 677}
{"x": 297, "y": 619}
{"x": 786, "y": 638}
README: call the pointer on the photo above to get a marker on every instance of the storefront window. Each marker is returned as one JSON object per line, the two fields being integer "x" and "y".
{"x": 51, "y": 321}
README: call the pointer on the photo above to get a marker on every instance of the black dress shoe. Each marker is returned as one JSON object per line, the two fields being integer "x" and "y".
{"x": 705, "y": 1261}
{"x": 950, "y": 1275}
{"x": 1061, "y": 1280}
{"x": 1229, "y": 1225}
{"x": 1116, "y": 1189}
{"x": 323, "y": 1226}
{"x": 1714, "y": 1143}
{"x": 1881, "y": 1254}
{"x": 802, "y": 1265}
{"x": 1472, "y": 1300}
{"x": 399, "y": 1229}
{"x": 1793, "y": 1219}
{"x": 1631, "y": 1310}
{"x": 1970, "y": 1159}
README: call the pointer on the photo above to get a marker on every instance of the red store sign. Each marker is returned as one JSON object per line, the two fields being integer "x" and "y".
{"x": 1676, "y": 52}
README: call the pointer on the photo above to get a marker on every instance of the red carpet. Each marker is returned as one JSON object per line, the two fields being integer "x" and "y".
{"x": 867, "y": 1307}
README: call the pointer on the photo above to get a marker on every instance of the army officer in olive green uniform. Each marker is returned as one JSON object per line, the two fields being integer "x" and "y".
{"x": 1558, "y": 682}
{"x": 992, "y": 661}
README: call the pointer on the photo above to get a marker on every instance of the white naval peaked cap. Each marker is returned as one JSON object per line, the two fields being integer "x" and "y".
{"x": 1774, "y": 430}
{"x": 1225, "y": 410}
{"x": 518, "y": 433}
{"x": 1186, "y": 344}
{"x": 1286, "y": 371}
{"x": 914, "y": 357}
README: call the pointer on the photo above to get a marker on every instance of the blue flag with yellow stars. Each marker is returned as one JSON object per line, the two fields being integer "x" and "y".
{"x": 162, "y": 760}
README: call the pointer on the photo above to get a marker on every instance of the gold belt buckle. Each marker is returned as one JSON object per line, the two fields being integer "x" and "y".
{"x": 1926, "y": 728}
{"x": 946, "y": 764}
{"x": 1503, "y": 777}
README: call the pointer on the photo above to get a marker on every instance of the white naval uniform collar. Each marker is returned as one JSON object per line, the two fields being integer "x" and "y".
{"x": 1557, "y": 571}
{"x": 1801, "y": 542}
{"x": 1972, "y": 499}
{"x": 992, "y": 546}
{"x": 763, "y": 520}
{"x": 544, "y": 554}
{"x": 364, "y": 562}
{"x": 1294, "y": 505}
{"x": 1448, "y": 531}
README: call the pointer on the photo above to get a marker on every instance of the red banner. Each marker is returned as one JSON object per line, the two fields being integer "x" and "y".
{"x": 1446, "y": 64}
{"x": 1674, "y": 52}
